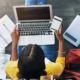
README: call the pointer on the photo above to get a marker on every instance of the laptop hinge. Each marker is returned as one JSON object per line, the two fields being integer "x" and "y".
{"x": 36, "y": 22}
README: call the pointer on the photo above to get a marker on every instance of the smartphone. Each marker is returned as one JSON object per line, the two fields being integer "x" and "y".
{"x": 56, "y": 23}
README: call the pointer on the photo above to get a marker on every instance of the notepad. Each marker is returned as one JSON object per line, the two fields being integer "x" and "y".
{"x": 6, "y": 27}
{"x": 72, "y": 34}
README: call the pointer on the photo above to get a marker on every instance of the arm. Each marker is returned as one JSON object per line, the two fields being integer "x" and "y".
{"x": 61, "y": 48}
{"x": 15, "y": 38}
{"x": 58, "y": 66}
{"x": 59, "y": 36}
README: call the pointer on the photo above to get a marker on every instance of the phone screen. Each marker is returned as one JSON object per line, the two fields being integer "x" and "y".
{"x": 56, "y": 24}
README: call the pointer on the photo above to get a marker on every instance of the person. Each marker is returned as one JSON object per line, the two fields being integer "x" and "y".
{"x": 35, "y": 60}
{"x": 32, "y": 62}
{"x": 49, "y": 50}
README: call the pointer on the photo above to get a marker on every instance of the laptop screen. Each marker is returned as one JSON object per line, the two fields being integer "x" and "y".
{"x": 33, "y": 13}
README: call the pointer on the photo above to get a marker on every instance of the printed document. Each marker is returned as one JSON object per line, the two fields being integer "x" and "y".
{"x": 6, "y": 27}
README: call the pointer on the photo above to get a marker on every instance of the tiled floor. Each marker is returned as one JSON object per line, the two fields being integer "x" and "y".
{"x": 67, "y": 9}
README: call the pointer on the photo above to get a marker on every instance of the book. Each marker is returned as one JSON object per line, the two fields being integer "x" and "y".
{"x": 6, "y": 27}
{"x": 72, "y": 34}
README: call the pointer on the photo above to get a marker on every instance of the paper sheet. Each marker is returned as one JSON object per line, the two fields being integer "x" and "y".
{"x": 6, "y": 35}
{"x": 8, "y": 23}
{"x": 2, "y": 42}
{"x": 2, "y": 66}
{"x": 6, "y": 27}
{"x": 47, "y": 61}
{"x": 2, "y": 28}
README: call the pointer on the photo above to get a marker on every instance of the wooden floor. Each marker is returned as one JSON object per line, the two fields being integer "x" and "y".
{"x": 67, "y": 9}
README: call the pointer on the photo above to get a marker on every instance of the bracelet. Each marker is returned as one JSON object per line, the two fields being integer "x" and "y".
{"x": 61, "y": 52}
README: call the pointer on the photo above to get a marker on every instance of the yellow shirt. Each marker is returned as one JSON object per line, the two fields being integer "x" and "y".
{"x": 11, "y": 68}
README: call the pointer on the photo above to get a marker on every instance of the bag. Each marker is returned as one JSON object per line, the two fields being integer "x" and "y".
{"x": 72, "y": 65}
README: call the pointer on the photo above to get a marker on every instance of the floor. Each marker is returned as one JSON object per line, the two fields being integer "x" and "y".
{"x": 67, "y": 9}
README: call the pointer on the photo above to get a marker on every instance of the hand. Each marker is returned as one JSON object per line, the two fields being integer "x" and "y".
{"x": 59, "y": 34}
{"x": 15, "y": 35}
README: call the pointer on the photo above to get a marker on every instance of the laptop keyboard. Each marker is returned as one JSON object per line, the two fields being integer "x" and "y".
{"x": 26, "y": 29}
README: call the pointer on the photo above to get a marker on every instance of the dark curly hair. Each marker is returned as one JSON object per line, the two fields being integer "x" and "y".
{"x": 31, "y": 62}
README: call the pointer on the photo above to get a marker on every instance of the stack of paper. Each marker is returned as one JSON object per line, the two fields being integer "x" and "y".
{"x": 2, "y": 66}
{"x": 6, "y": 27}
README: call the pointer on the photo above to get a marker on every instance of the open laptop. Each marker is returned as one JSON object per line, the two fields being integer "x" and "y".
{"x": 33, "y": 23}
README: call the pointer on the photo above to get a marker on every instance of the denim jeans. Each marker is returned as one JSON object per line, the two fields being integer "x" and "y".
{"x": 49, "y": 50}
{"x": 34, "y": 2}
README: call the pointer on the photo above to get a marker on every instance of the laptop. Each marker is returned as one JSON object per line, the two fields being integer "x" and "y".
{"x": 33, "y": 23}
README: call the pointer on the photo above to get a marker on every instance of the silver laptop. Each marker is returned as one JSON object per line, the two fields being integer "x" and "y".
{"x": 33, "y": 23}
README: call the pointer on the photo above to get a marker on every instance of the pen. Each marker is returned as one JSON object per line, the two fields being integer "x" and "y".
{"x": 6, "y": 27}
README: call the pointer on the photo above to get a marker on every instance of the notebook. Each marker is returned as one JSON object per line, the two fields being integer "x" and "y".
{"x": 6, "y": 27}
{"x": 72, "y": 34}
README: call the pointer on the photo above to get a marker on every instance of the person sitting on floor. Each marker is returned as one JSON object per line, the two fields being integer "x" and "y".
{"x": 32, "y": 62}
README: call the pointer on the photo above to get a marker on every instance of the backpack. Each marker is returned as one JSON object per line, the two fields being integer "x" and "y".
{"x": 72, "y": 65}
